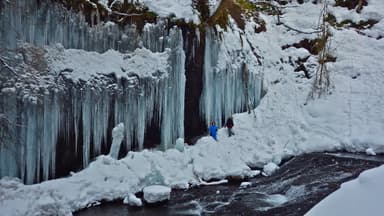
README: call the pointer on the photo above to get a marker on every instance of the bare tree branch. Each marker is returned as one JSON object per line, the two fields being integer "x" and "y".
{"x": 322, "y": 79}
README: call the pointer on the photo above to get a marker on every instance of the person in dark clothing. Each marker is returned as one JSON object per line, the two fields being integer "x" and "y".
{"x": 213, "y": 130}
{"x": 229, "y": 126}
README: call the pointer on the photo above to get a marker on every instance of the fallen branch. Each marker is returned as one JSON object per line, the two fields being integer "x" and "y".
{"x": 297, "y": 30}
{"x": 125, "y": 14}
{"x": 5, "y": 65}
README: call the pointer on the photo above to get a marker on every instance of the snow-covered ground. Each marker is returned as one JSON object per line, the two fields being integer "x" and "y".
{"x": 180, "y": 8}
{"x": 362, "y": 196}
{"x": 349, "y": 118}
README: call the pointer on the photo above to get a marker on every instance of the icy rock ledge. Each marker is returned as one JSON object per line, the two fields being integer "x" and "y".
{"x": 156, "y": 193}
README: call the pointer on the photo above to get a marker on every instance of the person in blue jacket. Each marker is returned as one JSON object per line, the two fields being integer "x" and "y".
{"x": 213, "y": 130}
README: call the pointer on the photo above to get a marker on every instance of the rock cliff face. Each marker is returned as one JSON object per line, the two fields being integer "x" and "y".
{"x": 67, "y": 79}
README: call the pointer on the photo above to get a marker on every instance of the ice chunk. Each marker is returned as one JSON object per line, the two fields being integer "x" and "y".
{"x": 245, "y": 184}
{"x": 270, "y": 168}
{"x": 370, "y": 151}
{"x": 156, "y": 193}
{"x": 254, "y": 173}
{"x": 223, "y": 181}
{"x": 117, "y": 138}
{"x": 132, "y": 200}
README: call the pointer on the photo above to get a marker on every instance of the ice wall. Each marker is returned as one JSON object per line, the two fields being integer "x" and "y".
{"x": 232, "y": 77}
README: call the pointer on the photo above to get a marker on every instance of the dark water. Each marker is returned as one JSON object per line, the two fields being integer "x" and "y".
{"x": 295, "y": 188}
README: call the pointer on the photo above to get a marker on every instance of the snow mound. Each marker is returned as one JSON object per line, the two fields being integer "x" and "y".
{"x": 156, "y": 193}
{"x": 362, "y": 196}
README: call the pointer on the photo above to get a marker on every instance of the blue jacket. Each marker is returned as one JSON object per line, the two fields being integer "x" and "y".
{"x": 213, "y": 131}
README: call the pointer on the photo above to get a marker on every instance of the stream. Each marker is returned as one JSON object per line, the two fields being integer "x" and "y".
{"x": 295, "y": 188}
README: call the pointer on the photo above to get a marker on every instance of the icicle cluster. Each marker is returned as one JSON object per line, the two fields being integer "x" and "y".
{"x": 70, "y": 119}
{"x": 78, "y": 117}
{"x": 232, "y": 81}
{"x": 47, "y": 23}
{"x": 31, "y": 152}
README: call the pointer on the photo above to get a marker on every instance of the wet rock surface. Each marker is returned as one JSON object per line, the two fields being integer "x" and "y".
{"x": 296, "y": 187}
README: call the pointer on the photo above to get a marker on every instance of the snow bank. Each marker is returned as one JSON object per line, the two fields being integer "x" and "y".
{"x": 362, "y": 196}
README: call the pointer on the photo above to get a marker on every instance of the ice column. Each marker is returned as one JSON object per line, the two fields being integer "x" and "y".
{"x": 117, "y": 138}
{"x": 172, "y": 111}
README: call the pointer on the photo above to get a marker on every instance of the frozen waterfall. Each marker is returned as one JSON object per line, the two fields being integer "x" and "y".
{"x": 69, "y": 123}
{"x": 231, "y": 80}
{"x": 61, "y": 114}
